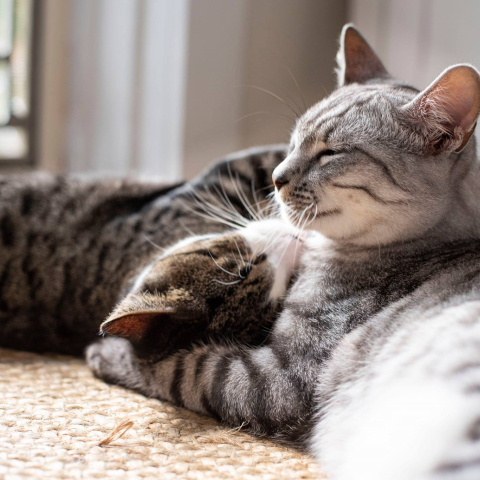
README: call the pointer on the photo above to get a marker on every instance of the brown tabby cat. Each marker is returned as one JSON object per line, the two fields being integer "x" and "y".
{"x": 70, "y": 249}
{"x": 211, "y": 286}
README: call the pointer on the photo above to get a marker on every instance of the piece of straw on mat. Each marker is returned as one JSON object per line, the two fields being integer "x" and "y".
{"x": 117, "y": 433}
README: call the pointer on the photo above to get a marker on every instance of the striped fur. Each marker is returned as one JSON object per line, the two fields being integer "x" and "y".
{"x": 373, "y": 363}
{"x": 219, "y": 286}
{"x": 70, "y": 249}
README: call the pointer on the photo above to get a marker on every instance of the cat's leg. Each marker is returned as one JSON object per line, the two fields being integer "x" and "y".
{"x": 253, "y": 387}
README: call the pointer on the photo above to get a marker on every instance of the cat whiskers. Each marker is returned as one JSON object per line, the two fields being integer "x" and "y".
{"x": 270, "y": 195}
{"x": 225, "y": 196}
{"x": 298, "y": 227}
{"x": 219, "y": 206}
{"x": 204, "y": 212}
{"x": 313, "y": 214}
{"x": 272, "y": 207}
{"x": 210, "y": 216}
{"x": 223, "y": 269}
{"x": 216, "y": 280}
{"x": 280, "y": 99}
{"x": 188, "y": 229}
{"x": 239, "y": 253}
{"x": 158, "y": 247}
{"x": 285, "y": 92}
{"x": 307, "y": 223}
{"x": 229, "y": 212}
{"x": 254, "y": 193}
{"x": 214, "y": 203}
{"x": 284, "y": 64}
{"x": 241, "y": 194}
{"x": 273, "y": 114}
{"x": 228, "y": 206}
{"x": 255, "y": 210}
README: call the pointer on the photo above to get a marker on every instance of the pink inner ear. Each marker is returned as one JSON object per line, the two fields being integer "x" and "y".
{"x": 361, "y": 62}
{"x": 464, "y": 114}
{"x": 131, "y": 326}
{"x": 454, "y": 98}
{"x": 457, "y": 107}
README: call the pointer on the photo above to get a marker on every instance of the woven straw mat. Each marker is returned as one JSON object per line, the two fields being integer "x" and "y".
{"x": 54, "y": 414}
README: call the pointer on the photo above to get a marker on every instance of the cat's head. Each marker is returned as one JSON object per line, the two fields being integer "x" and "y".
{"x": 378, "y": 161}
{"x": 222, "y": 284}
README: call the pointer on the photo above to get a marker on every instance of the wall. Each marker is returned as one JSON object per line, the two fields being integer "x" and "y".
{"x": 302, "y": 39}
{"x": 418, "y": 39}
{"x": 218, "y": 32}
{"x": 237, "y": 47}
{"x": 156, "y": 87}
{"x": 94, "y": 117}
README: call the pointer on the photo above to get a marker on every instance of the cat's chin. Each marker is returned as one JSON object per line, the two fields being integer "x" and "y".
{"x": 353, "y": 230}
{"x": 327, "y": 221}
{"x": 337, "y": 225}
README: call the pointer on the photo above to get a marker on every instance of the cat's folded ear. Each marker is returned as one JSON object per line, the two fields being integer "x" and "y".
{"x": 446, "y": 111}
{"x": 155, "y": 327}
{"x": 357, "y": 62}
{"x": 135, "y": 326}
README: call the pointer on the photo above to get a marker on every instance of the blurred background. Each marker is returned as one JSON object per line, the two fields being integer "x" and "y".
{"x": 163, "y": 87}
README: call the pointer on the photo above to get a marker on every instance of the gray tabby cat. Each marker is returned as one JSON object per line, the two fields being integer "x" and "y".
{"x": 374, "y": 362}
{"x": 70, "y": 249}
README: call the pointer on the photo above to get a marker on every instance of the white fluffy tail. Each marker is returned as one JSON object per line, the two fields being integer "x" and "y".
{"x": 413, "y": 430}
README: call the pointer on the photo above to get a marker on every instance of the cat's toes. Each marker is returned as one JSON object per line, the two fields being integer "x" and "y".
{"x": 95, "y": 358}
{"x": 109, "y": 358}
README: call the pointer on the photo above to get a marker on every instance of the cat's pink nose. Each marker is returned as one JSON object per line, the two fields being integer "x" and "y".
{"x": 279, "y": 181}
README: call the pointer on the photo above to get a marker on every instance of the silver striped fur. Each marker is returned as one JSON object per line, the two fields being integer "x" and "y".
{"x": 374, "y": 362}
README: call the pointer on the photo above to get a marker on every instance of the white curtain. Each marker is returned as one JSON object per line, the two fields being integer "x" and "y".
{"x": 128, "y": 87}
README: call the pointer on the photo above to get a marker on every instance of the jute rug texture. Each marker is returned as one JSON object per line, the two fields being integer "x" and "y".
{"x": 54, "y": 415}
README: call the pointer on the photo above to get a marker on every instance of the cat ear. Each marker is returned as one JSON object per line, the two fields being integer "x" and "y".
{"x": 448, "y": 109}
{"x": 158, "y": 330}
{"x": 135, "y": 326}
{"x": 357, "y": 62}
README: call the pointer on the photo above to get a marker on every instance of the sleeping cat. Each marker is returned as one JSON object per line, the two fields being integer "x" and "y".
{"x": 71, "y": 249}
{"x": 211, "y": 286}
{"x": 374, "y": 362}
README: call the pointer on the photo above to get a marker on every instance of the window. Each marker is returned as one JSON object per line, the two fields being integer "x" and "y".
{"x": 18, "y": 29}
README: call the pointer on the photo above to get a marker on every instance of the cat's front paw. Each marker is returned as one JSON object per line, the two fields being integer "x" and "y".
{"x": 111, "y": 359}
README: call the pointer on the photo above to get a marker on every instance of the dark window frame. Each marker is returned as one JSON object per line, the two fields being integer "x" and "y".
{"x": 30, "y": 122}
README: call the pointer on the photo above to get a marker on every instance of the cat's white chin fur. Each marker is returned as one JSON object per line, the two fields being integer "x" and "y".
{"x": 282, "y": 244}
{"x": 364, "y": 224}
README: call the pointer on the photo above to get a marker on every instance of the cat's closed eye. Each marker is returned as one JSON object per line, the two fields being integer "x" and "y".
{"x": 325, "y": 156}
